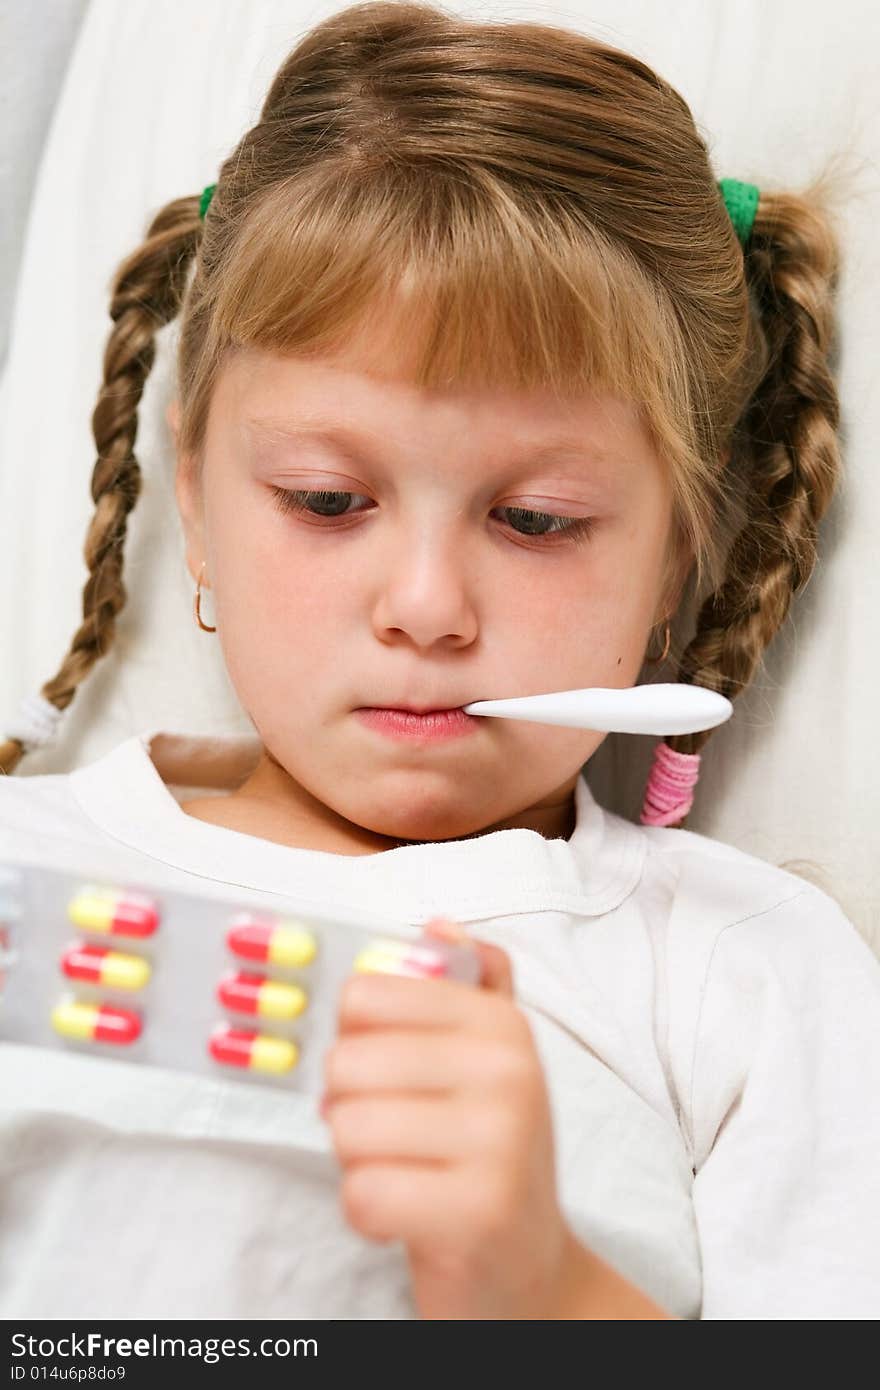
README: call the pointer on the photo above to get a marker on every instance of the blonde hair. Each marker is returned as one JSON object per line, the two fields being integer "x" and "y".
{"x": 543, "y": 207}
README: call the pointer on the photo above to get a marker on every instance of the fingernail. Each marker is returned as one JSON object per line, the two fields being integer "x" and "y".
{"x": 442, "y": 927}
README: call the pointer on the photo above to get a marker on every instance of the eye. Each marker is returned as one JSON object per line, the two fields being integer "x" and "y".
{"x": 329, "y": 504}
{"x": 287, "y": 500}
{"x": 575, "y": 527}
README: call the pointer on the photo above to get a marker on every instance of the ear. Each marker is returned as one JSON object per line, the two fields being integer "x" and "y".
{"x": 679, "y": 566}
{"x": 681, "y": 574}
{"x": 188, "y": 495}
{"x": 172, "y": 415}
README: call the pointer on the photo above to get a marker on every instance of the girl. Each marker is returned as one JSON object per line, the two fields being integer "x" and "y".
{"x": 479, "y": 366}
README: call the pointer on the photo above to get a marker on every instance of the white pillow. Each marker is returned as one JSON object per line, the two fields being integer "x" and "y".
{"x": 156, "y": 94}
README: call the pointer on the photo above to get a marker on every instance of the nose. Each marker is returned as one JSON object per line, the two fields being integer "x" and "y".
{"x": 427, "y": 592}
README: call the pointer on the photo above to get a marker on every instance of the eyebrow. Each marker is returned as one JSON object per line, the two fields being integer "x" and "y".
{"x": 353, "y": 442}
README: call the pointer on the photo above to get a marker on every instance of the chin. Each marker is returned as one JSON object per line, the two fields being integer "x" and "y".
{"x": 428, "y": 831}
{"x": 418, "y": 805}
{"x": 419, "y": 826}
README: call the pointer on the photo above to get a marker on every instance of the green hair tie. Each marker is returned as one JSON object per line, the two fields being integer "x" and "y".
{"x": 740, "y": 199}
{"x": 205, "y": 199}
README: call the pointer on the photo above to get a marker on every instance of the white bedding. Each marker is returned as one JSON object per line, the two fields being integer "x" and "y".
{"x": 156, "y": 93}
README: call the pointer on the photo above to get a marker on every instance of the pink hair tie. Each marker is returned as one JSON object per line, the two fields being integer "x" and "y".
{"x": 669, "y": 793}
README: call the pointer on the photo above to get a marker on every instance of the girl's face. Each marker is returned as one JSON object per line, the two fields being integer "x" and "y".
{"x": 433, "y": 576}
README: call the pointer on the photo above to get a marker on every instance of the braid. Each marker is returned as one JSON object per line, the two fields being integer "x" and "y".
{"x": 787, "y": 440}
{"x": 633, "y": 279}
{"x": 147, "y": 293}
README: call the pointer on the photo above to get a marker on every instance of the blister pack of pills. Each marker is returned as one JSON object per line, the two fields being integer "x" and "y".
{"x": 212, "y": 985}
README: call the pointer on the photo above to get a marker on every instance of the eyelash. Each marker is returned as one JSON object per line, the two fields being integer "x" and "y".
{"x": 578, "y": 530}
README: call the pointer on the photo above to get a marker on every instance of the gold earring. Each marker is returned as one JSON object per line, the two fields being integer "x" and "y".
{"x": 202, "y": 625}
{"x": 652, "y": 660}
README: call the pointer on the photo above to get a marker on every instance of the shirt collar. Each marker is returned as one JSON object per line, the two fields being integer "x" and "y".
{"x": 504, "y": 873}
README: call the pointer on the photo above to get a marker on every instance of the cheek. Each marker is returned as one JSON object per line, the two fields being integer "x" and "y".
{"x": 276, "y": 604}
{"x": 598, "y": 602}
{"x": 268, "y": 575}
{"x": 590, "y": 628}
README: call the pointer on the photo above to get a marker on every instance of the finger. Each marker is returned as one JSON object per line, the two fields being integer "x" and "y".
{"x": 397, "y": 1127}
{"x": 417, "y": 1203}
{"x": 416, "y": 1061}
{"x": 399, "y": 1001}
{"x": 496, "y": 966}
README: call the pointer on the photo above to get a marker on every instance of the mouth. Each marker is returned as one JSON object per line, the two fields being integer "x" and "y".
{"x": 423, "y": 725}
{"x": 414, "y": 707}
{"x": 418, "y": 709}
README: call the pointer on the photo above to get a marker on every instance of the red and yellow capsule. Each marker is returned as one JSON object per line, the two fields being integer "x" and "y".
{"x": 390, "y": 957}
{"x": 101, "y": 965}
{"x": 271, "y": 940}
{"x": 242, "y": 1047}
{"x": 95, "y": 908}
{"x": 96, "y": 1022}
{"x": 249, "y": 993}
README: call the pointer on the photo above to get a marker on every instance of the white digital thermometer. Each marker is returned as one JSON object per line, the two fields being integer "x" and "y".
{"x": 670, "y": 708}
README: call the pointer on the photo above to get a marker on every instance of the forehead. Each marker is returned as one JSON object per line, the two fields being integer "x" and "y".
{"x": 272, "y": 396}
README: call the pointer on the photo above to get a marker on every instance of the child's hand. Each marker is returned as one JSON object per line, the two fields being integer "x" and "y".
{"x": 440, "y": 1118}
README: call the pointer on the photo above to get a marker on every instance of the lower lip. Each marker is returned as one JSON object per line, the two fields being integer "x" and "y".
{"x": 432, "y": 727}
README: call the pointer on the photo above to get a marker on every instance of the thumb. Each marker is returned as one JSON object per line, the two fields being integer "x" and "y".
{"x": 496, "y": 967}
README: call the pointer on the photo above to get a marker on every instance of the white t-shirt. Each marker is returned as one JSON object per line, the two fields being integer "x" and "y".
{"x": 709, "y": 1026}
